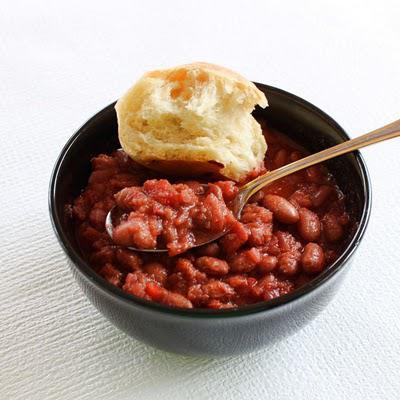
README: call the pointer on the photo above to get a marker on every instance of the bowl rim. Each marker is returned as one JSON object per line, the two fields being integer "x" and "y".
{"x": 84, "y": 268}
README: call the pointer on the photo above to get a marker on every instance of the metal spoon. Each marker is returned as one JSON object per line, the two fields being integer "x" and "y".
{"x": 246, "y": 191}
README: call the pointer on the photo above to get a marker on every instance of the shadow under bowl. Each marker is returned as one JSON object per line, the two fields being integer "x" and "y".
{"x": 204, "y": 331}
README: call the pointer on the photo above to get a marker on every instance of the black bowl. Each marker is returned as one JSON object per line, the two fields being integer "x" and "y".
{"x": 204, "y": 331}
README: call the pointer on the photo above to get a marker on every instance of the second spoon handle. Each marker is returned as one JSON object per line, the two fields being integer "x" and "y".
{"x": 378, "y": 135}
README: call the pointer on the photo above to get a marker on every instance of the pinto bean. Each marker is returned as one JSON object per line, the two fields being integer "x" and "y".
{"x": 246, "y": 260}
{"x": 111, "y": 274}
{"x": 283, "y": 210}
{"x": 288, "y": 263}
{"x": 210, "y": 250}
{"x": 314, "y": 174}
{"x": 156, "y": 271}
{"x": 332, "y": 229}
{"x": 162, "y": 295}
{"x": 267, "y": 263}
{"x": 321, "y": 195}
{"x": 313, "y": 258}
{"x": 212, "y": 265}
{"x": 309, "y": 225}
{"x": 129, "y": 260}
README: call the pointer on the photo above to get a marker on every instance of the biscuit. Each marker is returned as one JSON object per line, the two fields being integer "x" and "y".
{"x": 193, "y": 119}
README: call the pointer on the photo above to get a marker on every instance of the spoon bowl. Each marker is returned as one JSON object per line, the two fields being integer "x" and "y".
{"x": 115, "y": 213}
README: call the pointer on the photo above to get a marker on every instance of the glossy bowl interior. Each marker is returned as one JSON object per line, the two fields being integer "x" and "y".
{"x": 298, "y": 119}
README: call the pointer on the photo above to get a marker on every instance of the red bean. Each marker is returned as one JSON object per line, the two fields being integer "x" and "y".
{"x": 129, "y": 260}
{"x": 176, "y": 300}
{"x": 88, "y": 235}
{"x": 273, "y": 246}
{"x": 283, "y": 210}
{"x": 321, "y": 195}
{"x": 344, "y": 219}
{"x": 162, "y": 295}
{"x": 241, "y": 283}
{"x": 301, "y": 199}
{"x": 229, "y": 189}
{"x": 103, "y": 256}
{"x": 136, "y": 231}
{"x": 212, "y": 266}
{"x": 97, "y": 217}
{"x": 332, "y": 229}
{"x": 313, "y": 258}
{"x": 254, "y": 213}
{"x": 111, "y": 274}
{"x": 218, "y": 290}
{"x": 100, "y": 176}
{"x": 213, "y": 289}
{"x": 103, "y": 161}
{"x": 314, "y": 174}
{"x": 270, "y": 287}
{"x": 216, "y": 304}
{"x": 259, "y": 233}
{"x": 245, "y": 261}
{"x": 288, "y": 263}
{"x": 99, "y": 244}
{"x": 211, "y": 250}
{"x": 231, "y": 242}
{"x": 189, "y": 272}
{"x": 135, "y": 283}
{"x": 156, "y": 271}
{"x": 309, "y": 225}
{"x": 287, "y": 242}
{"x": 267, "y": 264}
{"x": 178, "y": 283}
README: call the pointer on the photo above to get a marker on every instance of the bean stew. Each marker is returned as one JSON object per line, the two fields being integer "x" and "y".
{"x": 287, "y": 234}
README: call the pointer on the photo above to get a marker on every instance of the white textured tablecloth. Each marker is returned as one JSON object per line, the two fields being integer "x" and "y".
{"x": 60, "y": 62}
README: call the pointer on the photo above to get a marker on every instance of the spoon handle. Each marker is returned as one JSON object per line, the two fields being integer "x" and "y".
{"x": 386, "y": 132}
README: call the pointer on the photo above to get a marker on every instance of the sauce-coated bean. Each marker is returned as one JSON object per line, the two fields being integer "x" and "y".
{"x": 283, "y": 210}
{"x": 288, "y": 263}
{"x": 321, "y": 195}
{"x": 313, "y": 258}
{"x": 309, "y": 225}
{"x": 332, "y": 229}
